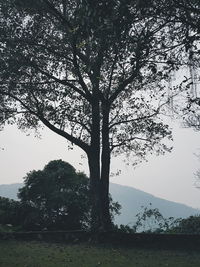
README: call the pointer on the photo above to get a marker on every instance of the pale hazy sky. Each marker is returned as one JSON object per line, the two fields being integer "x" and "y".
{"x": 170, "y": 176}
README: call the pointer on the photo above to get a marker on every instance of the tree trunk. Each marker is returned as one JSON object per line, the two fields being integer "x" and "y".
{"x": 105, "y": 171}
{"x": 94, "y": 167}
{"x": 99, "y": 172}
{"x": 96, "y": 216}
{"x": 105, "y": 202}
{"x": 99, "y": 193}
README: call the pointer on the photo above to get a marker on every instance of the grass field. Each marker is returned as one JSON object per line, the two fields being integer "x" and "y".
{"x": 36, "y": 254}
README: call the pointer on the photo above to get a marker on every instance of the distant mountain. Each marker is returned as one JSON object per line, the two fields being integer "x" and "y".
{"x": 10, "y": 190}
{"x": 130, "y": 199}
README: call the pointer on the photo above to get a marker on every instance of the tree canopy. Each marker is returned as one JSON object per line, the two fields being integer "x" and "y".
{"x": 58, "y": 195}
{"x": 96, "y": 73}
{"x": 9, "y": 211}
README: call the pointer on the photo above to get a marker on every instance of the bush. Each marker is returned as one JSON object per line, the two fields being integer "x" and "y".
{"x": 190, "y": 225}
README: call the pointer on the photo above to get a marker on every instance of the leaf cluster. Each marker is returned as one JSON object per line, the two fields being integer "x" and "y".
{"x": 57, "y": 198}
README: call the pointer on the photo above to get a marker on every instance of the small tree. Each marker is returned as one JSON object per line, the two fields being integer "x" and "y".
{"x": 151, "y": 220}
{"x": 58, "y": 196}
{"x": 94, "y": 72}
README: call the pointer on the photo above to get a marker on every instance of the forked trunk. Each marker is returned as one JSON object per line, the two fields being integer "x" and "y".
{"x": 99, "y": 177}
{"x": 99, "y": 192}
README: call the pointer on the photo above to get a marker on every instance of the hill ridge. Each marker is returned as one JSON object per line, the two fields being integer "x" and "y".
{"x": 131, "y": 200}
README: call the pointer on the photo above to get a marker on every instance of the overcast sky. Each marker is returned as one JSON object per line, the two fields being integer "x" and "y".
{"x": 170, "y": 176}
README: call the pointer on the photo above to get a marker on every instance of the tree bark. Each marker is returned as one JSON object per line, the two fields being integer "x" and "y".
{"x": 96, "y": 213}
{"x": 99, "y": 171}
{"x": 94, "y": 167}
{"x": 105, "y": 171}
{"x": 99, "y": 193}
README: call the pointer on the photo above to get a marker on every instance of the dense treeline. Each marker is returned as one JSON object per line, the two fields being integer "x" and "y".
{"x": 58, "y": 198}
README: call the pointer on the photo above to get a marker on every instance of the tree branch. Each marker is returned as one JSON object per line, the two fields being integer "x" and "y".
{"x": 81, "y": 81}
{"x": 143, "y": 117}
{"x": 137, "y": 119}
{"x": 111, "y": 74}
{"x": 57, "y": 14}
{"x": 64, "y": 82}
{"x": 81, "y": 124}
{"x": 67, "y": 136}
{"x": 60, "y": 132}
{"x": 129, "y": 140}
{"x": 122, "y": 86}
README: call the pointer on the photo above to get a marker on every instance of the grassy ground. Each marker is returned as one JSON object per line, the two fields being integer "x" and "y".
{"x": 35, "y": 254}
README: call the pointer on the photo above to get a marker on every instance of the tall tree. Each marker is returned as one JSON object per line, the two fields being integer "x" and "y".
{"x": 94, "y": 72}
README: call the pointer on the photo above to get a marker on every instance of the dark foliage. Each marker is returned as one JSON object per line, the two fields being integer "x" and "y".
{"x": 9, "y": 211}
{"x": 57, "y": 198}
{"x": 190, "y": 225}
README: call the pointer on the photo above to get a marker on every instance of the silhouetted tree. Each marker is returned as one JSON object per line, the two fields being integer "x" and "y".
{"x": 94, "y": 72}
{"x": 151, "y": 220}
{"x": 9, "y": 212}
{"x": 190, "y": 225}
{"x": 58, "y": 197}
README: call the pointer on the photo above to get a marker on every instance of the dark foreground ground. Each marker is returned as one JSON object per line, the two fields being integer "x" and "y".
{"x": 43, "y": 254}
